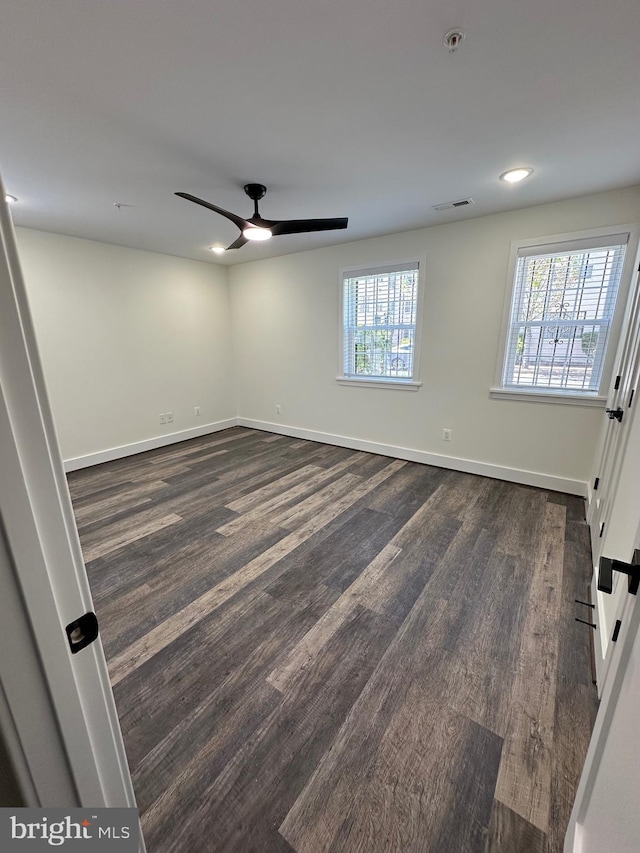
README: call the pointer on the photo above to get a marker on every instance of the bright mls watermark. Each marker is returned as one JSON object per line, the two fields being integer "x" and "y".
{"x": 100, "y": 830}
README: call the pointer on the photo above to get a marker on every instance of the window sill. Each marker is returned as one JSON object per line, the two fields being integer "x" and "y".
{"x": 562, "y": 398}
{"x": 395, "y": 384}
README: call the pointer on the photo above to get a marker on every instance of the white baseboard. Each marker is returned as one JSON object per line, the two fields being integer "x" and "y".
{"x": 148, "y": 444}
{"x": 468, "y": 466}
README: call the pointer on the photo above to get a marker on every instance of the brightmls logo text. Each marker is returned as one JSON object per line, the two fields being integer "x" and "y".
{"x": 54, "y": 833}
{"x": 26, "y": 830}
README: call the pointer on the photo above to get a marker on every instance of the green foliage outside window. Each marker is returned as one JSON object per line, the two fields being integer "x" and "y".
{"x": 589, "y": 342}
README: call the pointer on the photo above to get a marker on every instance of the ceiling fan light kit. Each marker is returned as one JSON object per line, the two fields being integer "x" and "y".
{"x": 256, "y": 228}
{"x": 258, "y": 234}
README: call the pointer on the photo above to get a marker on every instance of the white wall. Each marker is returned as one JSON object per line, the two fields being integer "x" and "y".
{"x": 125, "y": 335}
{"x": 285, "y": 320}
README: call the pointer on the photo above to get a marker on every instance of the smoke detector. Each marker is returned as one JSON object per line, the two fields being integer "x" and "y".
{"x": 453, "y": 38}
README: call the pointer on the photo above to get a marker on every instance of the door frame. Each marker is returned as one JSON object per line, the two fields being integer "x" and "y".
{"x": 75, "y": 755}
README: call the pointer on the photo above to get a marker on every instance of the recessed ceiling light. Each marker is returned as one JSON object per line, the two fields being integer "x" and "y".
{"x": 253, "y": 232}
{"x": 10, "y": 199}
{"x": 219, "y": 250}
{"x": 515, "y": 175}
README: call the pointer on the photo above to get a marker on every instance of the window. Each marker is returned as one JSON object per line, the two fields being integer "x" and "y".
{"x": 562, "y": 309}
{"x": 380, "y": 309}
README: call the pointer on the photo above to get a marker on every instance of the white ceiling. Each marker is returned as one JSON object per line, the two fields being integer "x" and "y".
{"x": 341, "y": 107}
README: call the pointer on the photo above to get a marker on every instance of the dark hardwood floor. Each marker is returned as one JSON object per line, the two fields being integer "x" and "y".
{"x": 317, "y": 649}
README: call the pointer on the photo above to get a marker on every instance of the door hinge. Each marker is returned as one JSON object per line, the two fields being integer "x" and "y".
{"x": 633, "y": 391}
{"x": 617, "y": 383}
{"x": 596, "y": 483}
{"x": 602, "y": 529}
{"x": 82, "y": 632}
{"x": 616, "y": 631}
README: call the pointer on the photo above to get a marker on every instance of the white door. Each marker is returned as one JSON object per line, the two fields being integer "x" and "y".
{"x": 57, "y": 711}
{"x": 605, "y": 814}
{"x": 614, "y": 440}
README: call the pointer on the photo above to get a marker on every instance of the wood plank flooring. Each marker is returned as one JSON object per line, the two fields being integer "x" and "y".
{"x": 316, "y": 649}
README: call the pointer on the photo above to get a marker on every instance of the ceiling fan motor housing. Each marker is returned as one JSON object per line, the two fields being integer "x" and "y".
{"x": 255, "y": 191}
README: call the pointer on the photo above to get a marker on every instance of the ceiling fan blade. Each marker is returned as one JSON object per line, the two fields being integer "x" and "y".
{"x": 305, "y": 226}
{"x": 237, "y": 220}
{"x": 237, "y": 243}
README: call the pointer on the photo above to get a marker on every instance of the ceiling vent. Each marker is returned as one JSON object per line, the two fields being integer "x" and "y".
{"x": 450, "y": 205}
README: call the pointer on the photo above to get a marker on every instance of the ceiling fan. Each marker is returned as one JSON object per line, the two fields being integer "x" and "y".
{"x": 257, "y": 228}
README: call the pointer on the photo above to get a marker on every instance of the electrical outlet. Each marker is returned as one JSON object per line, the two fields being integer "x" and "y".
{"x": 169, "y": 417}
{"x": 446, "y": 435}
{"x": 163, "y": 418}
{"x": 278, "y": 410}
{"x": 196, "y": 411}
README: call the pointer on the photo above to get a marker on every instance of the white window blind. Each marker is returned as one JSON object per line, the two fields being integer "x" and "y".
{"x": 380, "y": 308}
{"x": 563, "y": 304}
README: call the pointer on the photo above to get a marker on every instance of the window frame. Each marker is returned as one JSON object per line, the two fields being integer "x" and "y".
{"x": 566, "y": 396}
{"x": 399, "y": 384}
